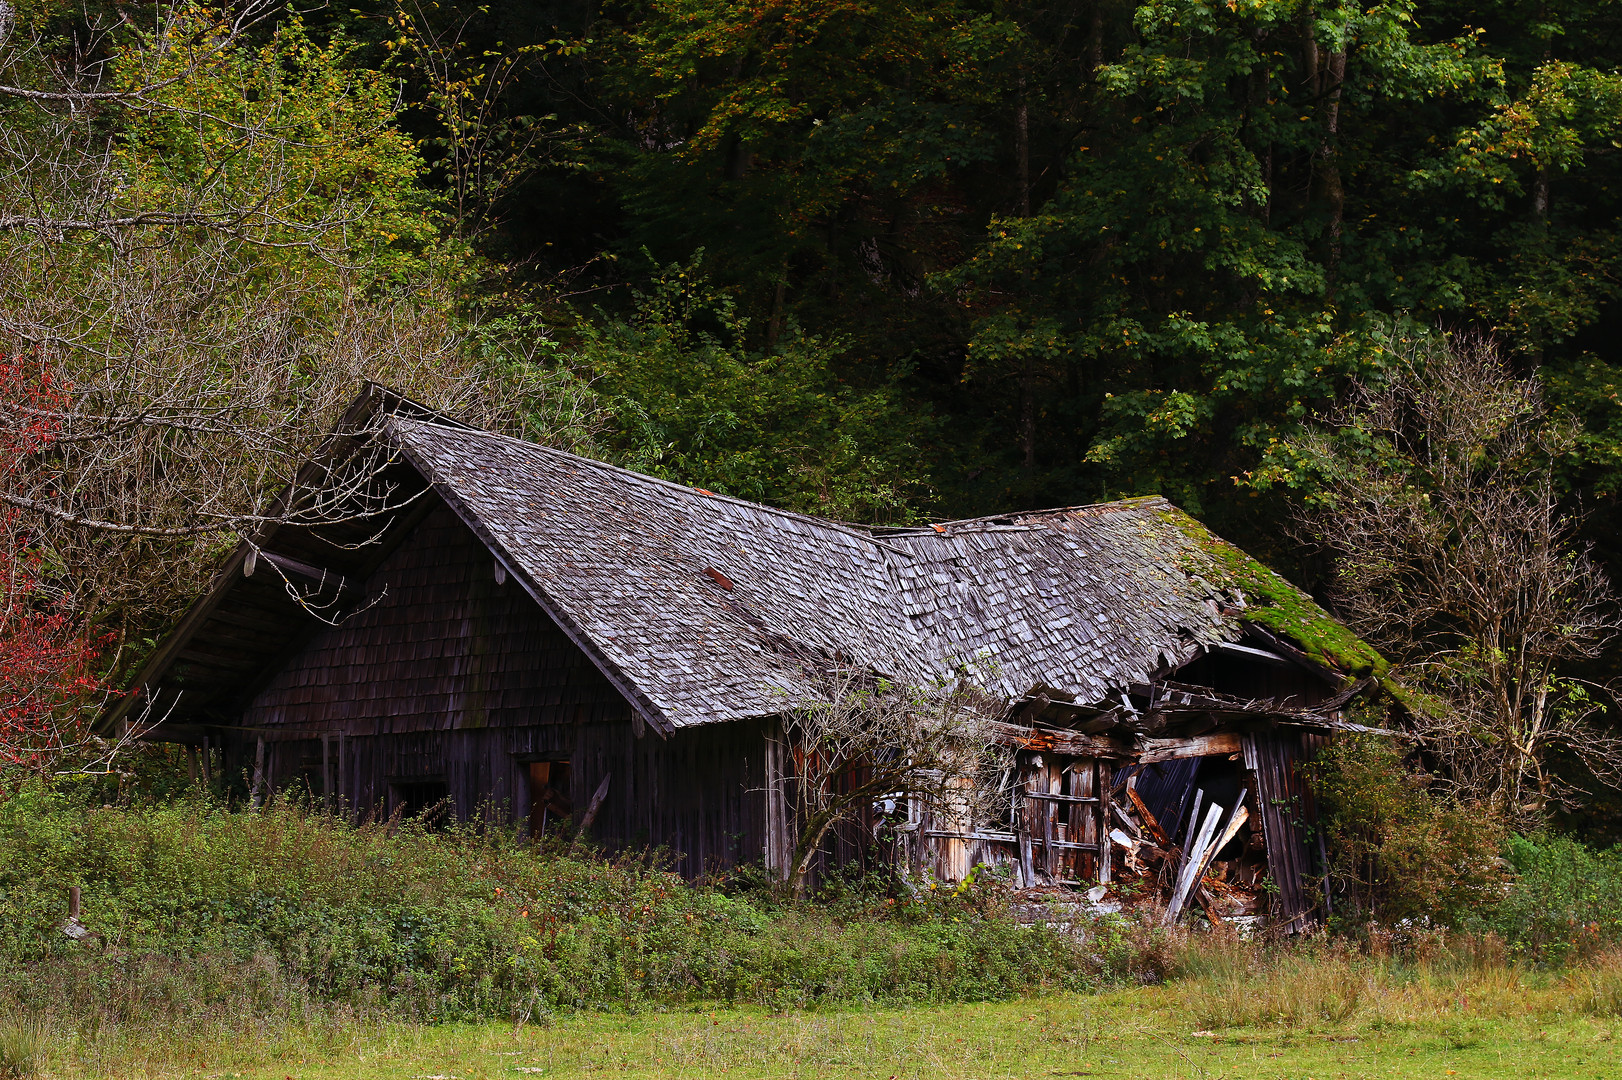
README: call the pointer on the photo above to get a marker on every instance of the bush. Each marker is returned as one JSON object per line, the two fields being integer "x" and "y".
{"x": 199, "y": 911}
{"x": 1566, "y": 899}
{"x": 1398, "y": 851}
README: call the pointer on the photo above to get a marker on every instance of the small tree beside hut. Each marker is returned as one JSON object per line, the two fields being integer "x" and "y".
{"x": 1434, "y": 490}
{"x": 870, "y": 740}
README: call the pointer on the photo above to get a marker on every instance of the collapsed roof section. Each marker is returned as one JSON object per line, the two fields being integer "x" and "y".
{"x": 703, "y": 608}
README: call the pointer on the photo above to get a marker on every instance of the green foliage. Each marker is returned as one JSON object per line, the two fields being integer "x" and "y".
{"x": 289, "y": 143}
{"x": 769, "y": 135}
{"x": 1397, "y": 850}
{"x": 693, "y": 402}
{"x": 289, "y": 905}
{"x": 1566, "y": 900}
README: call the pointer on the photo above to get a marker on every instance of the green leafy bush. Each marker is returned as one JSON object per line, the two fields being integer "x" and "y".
{"x": 197, "y": 908}
{"x": 1566, "y": 900}
{"x": 786, "y": 425}
{"x": 1397, "y": 850}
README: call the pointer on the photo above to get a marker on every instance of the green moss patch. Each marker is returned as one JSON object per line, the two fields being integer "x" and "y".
{"x": 1272, "y": 602}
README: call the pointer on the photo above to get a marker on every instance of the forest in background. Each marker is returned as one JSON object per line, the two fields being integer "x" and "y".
{"x": 878, "y": 261}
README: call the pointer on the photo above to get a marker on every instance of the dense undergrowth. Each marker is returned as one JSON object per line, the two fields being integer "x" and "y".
{"x": 206, "y": 920}
{"x": 200, "y": 912}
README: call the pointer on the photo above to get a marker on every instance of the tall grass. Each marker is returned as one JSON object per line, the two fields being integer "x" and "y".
{"x": 22, "y": 1045}
{"x": 201, "y": 915}
{"x": 1328, "y": 983}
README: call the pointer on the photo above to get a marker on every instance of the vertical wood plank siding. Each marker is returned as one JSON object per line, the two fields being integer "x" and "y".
{"x": 442, "y": 647}
{"x": 1281, "y": 800}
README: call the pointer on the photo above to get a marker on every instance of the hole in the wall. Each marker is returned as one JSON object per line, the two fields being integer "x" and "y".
{"x": 548, "y": 795}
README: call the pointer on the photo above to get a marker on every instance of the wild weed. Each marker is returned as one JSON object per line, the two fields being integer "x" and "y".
{"x": 24, "y": 1041}
{"x": 1597, "y": 987}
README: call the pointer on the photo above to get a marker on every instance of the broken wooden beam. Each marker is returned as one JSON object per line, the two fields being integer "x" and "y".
{"x": 1197, "y": 853}
{"x": 1220, "y": 743}
{"x": 1057, "y": 740}
{"x": 291, "y": 569}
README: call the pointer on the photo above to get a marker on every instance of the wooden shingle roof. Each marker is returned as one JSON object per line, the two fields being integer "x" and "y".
{"x": 701, "y": 608}
{"x": 705, "y": 608}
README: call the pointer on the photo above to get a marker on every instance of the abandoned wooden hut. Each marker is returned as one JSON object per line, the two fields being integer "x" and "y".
{"x": 541, "y": 635}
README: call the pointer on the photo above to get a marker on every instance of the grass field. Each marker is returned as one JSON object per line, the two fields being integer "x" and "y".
{"x": 1327, "y": 1019}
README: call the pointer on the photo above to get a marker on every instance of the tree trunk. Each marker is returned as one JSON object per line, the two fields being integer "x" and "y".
{"x": 1095, "y": 48}
{"x": 805, "y": 852}
{"x": 1027, "y": 415}
{"x": 1027, "y": 378}
{"x": 1022, "y": 149}
{"x": 774, "y": 325}
{"x": 1324, "y": 76}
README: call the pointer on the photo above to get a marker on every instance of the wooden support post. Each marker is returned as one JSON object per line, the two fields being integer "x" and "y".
{"x": 779, "y": 838}
{"x": 208, "y": 768}
{"x": 73, "y": 901}
{"x": 1085, "y": 818}
{"x": 1106, "y": 780}
{"x": 343, "y": 776}
{"x": 191, "y": 763}
{"x": 256, "y": 788}
{"x": 1055, "y": 858}
{"x": 326, "y": 773}
{"x": 1026, "y": 820}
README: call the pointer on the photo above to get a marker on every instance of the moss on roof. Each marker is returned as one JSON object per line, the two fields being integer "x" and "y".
{"x": 1272, "y": 602}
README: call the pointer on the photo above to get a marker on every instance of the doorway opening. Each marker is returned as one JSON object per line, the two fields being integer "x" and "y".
{"x": 428, "y": 800}
{"x": 548, "y": 796}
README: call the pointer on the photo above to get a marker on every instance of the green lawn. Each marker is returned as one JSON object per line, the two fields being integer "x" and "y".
{"x": 1147, "y": 1032}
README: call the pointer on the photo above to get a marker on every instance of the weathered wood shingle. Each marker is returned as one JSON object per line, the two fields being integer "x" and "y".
{"x": 704, "y": 608}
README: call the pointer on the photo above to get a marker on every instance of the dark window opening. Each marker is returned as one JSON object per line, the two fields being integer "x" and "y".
{"x": 548, "y": 795}
{"x": 419, "y": 799}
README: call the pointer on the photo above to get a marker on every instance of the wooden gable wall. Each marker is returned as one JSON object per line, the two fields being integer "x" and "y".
{"x": 441, "y": 647}
{"x": 450, "y": 678}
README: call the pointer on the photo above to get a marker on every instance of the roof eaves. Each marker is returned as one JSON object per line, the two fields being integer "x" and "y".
{"x": 157, "y": 665}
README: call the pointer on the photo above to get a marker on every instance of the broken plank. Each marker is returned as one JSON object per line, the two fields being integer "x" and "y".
{"x": 1150, "y": 825}
{"x": 1221, "y": 743}
{"x": 1198, "y": 852}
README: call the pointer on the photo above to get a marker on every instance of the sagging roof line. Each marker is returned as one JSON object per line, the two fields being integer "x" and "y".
{"x": 1085, "y": 600}
{"x": 1012, "y": 521}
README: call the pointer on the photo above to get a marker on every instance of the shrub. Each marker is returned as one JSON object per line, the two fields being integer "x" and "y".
{"x": 1397, "y": 850}
{"x": 1566, "y": 899}
{"x": 289, "y": 908}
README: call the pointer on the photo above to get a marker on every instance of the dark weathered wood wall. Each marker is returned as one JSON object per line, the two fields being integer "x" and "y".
{"x": 448, "y": 677}
{"x": 442, "y": 647}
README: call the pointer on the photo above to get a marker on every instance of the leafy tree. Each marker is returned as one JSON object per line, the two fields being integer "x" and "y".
{"x": 691, "y": 400}
{"x": 50, "y": 683}
{"x": 817, "y": 149}
{"x": 1398, "y": 849}
{"x": 1433, "y": 489}
{"x": 212, "y": 230}
{"x": 1185, "y": 292}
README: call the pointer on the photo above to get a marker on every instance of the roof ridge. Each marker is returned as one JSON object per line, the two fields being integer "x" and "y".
{"x": 1011, "y": 517}
{"x": 859, "y": 531}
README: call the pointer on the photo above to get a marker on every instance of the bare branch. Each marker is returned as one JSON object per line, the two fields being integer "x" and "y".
{"x": 868, "y": 739}
{"x": 1438, "y": 502}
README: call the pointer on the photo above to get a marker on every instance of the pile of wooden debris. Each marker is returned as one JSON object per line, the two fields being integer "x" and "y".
{"x": 1208, "y": 856}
